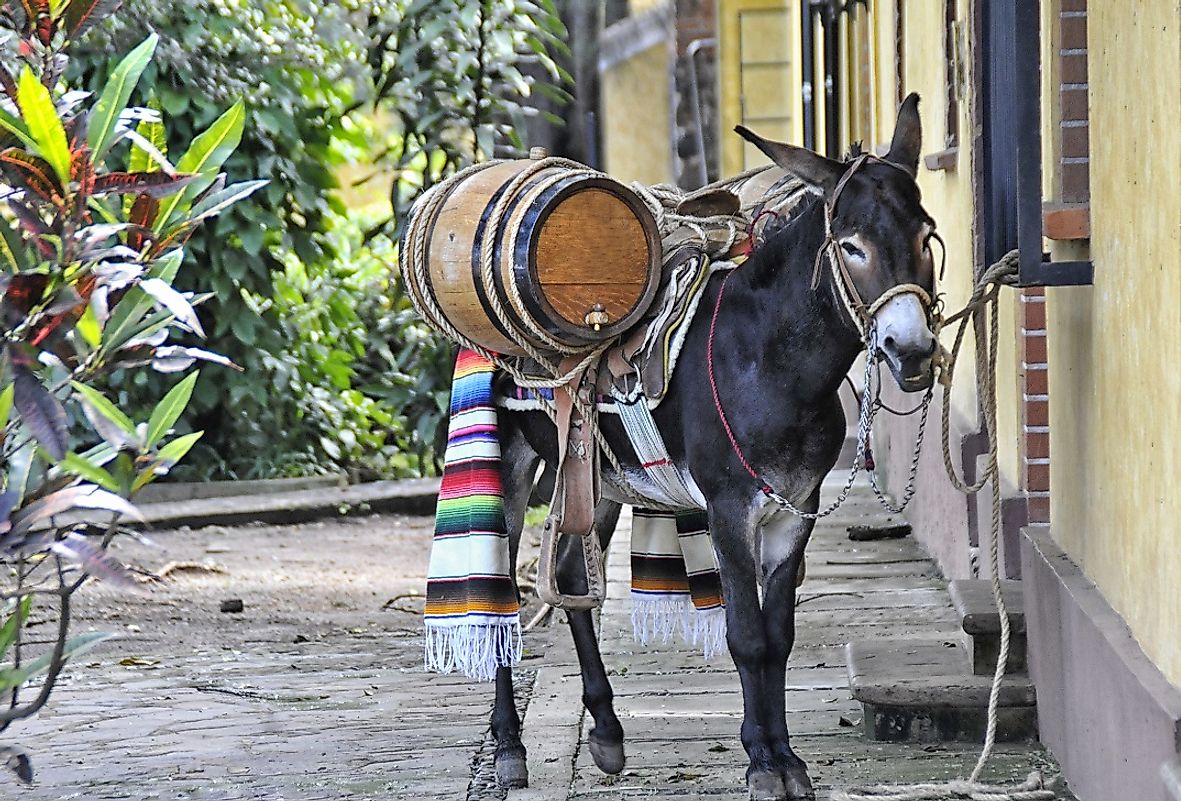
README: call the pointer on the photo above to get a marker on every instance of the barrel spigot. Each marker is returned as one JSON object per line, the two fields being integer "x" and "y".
{"x": 597, "y": 317}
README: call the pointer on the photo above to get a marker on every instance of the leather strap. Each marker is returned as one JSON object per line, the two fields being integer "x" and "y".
{"x": 576, "y": 493}
{"x": 575, "y": 489}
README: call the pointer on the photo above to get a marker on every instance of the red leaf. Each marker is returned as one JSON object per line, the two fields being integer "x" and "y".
{"x": 81, "y": 14}
{"x": 45, "y": 29}
{"x": 29, "y": 172}
{"x": 26, "y": 290}
{"x": 155, "y": 184}
{"x": 8, "y": 83}
{"x": 82, "y": 171}
{"x": 68, "y": 316}
{"x": 143, "y": 214}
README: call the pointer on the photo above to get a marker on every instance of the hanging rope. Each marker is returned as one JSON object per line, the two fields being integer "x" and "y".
{"x": 982, "y": 309}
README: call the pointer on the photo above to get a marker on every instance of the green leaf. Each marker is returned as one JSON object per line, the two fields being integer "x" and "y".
{"x": 88, "y": 327}
{"x": 10, "y": 677}
{"x": 76, "y": 465}
{"x": 129, "y": 312}
{"x": 16, "y": 126}
{"x": 5, "y": 404}
{"x": 153, "y": 132}
{"x": 104, "y": 407}
{"x": 14, "y": 256}
{"x": 205, "y": 157}
{"x": 11, "y": 626}
{"x": 44, "y": 127}
{"x": 167, "y": 457}
{"x": 174, "y": 451}
{"x": 115, "y": 95}
{"x": 219, "y": 201}
{"x": 169, "y": 410}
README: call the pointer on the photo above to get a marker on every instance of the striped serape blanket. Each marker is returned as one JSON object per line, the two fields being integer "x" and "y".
{"x": 472, "y": 614}
{"x": 675, "y": 585}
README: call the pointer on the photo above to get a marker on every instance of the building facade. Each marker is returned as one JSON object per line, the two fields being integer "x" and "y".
{"x": 1053, "y": 128}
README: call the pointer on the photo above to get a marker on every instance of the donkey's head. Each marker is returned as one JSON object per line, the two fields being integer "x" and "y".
{"x": 879, "y": 241}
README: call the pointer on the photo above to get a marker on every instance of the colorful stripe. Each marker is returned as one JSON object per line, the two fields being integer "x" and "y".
{"x": 472, "y": 614}
{"x": 676, "y": 587}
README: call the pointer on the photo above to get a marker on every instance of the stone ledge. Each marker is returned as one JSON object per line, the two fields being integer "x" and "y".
{"x": 1105, "y": 711}
{"x": 409, "y": 496}
{"x": 932, "y": 673}
{"x": 973, "y": 601}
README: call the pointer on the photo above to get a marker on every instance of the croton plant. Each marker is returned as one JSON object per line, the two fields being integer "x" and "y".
{"x": 94, "y": 217}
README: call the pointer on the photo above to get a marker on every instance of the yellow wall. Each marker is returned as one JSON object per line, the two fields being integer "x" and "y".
{"x": 636, "y": 107}
{"x": 948, "y": 196}
{"x": 1115, "y": 349}
{"x": 759, "y": 79}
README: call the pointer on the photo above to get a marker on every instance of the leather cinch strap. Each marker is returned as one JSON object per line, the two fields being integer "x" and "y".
{"x": 572, "y": 510}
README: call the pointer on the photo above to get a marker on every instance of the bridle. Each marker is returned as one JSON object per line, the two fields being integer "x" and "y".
{"x": 862, "y": 318}
{"x": 860, "y": 314}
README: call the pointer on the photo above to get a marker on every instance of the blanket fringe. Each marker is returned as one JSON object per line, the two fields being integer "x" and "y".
{"x": 473, "y": 649}
{"x": 661, "y": 618}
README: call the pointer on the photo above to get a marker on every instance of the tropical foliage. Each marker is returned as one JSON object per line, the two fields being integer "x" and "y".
{"x": 339, "y": 375}
{"x": 94, "y": 220}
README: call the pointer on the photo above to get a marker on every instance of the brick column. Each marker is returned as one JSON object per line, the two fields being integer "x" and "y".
{"x": 1035, "y": 405}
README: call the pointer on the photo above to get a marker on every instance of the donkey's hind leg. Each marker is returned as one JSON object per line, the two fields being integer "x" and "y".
{"x": 606, "y": 737}
{"x": 518, "y": 470}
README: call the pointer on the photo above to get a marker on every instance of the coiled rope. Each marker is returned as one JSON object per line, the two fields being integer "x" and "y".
{"x": 984, "y": 302}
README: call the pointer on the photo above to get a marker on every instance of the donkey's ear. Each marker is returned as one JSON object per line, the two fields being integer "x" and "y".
{"x": 908, "y": 136}
{"x": 811, "y": 168}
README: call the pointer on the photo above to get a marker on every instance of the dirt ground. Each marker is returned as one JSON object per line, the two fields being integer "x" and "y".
{"x": 314, "y": 690}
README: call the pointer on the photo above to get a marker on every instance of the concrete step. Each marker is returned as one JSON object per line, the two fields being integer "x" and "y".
{"x": 923, "y": 690}
{"x": 974, "y": 602}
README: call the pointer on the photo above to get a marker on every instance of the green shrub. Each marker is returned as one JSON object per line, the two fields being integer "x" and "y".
{"x": 366, "y": 381}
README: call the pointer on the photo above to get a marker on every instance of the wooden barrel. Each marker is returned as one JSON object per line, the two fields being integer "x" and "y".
{"x": 575, "y": 256}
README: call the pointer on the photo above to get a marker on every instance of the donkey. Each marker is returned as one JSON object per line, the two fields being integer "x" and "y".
{"x": 753, "y": 406}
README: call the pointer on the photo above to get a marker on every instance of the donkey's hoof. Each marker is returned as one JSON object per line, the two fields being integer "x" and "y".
{"x": 798, "y": 785}
{"x": 608, "y": 755}
{"x": 766, "y": 785}
{"x": 511, "y": 771}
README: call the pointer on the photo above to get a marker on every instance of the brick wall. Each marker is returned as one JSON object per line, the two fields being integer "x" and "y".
{"x": 1035, "y": 407}
{"x": 1065, "y": 220}
{"x": 1072, "y": 98}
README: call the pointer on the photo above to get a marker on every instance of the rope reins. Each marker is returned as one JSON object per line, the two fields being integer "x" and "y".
{"x": 862, "y": 317}
{"x": 860, "y": 314}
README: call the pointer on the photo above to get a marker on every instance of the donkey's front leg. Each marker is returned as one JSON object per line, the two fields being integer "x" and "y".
{"x": 518, "y": 469}
{"x": 606, "y": 738}
{"x": 783, "y": 539}
{"x": 732, "y": 529}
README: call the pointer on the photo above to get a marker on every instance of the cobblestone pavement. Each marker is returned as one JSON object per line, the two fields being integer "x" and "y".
{"x": 316, "y": 691}
{"x": 681, "y": 715}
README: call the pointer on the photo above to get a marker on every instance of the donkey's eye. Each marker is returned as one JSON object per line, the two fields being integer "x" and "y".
{"x": 853, "y": 250}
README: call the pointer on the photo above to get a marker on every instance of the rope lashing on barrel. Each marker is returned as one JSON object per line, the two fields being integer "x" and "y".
{"x": 660, "y": 199}
{"x": 418, "y": 239}
{"x": 984, "y": 300}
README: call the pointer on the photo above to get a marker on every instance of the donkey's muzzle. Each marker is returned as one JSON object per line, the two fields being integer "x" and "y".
{"x": 905, "y": 340}
{"x": 913, "y": 368}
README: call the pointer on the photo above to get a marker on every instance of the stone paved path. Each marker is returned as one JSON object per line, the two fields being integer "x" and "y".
{"x": 681, "y": 714}
{"x": 315, "y": 692}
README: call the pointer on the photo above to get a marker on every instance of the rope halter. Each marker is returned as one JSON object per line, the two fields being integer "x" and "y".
{"x": 860, "y": 314}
